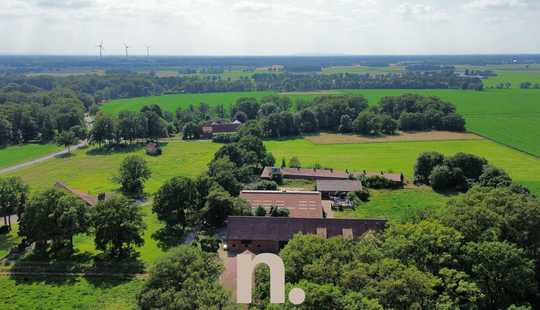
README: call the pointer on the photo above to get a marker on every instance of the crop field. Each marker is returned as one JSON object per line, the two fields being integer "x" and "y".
{"x": 172, "y": 102}
{"x": 13, "y": 155}
{"x": 93, "y": 171}
{"x": 401, "y": 156}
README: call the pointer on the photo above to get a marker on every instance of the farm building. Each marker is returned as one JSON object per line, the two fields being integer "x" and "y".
{"x": 305, "y": 173}
{"x": 301, "y": 204}
{"x": 332, "y": 187}
{"x": 270, "y": 234}
{"x": 209, "y": 129}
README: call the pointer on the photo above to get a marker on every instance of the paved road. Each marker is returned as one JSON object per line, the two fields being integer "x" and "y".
{"x": 39, "y": 160}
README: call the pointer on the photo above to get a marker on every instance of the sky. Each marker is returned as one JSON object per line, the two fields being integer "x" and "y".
{"x": 271, "y": 27}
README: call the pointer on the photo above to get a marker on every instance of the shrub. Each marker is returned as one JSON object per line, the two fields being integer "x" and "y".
{"x": 379, "y": 182}
{"x": 266, "y": 185}
{"x": 260, "y": 211}
{"x": 225, "y": 138}
{"x": 279, "y": 212}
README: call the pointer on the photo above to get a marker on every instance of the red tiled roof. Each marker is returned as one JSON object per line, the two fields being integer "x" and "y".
{"x": 300, "y": 204}
{"x": 283, "y": 228}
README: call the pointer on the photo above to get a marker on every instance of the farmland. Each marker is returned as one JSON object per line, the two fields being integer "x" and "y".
{"x": 93, "y": 170}
{"x": 401, "y": 156}
{"x": 172, "y": 102}
{"x": 13, "y": 155}
{"x": 509, "y": 116}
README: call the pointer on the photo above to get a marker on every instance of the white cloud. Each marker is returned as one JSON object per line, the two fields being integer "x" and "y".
{"x": 496, "y": 4}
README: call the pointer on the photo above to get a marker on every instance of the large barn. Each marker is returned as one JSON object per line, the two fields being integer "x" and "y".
{"x": 260, "y": 234}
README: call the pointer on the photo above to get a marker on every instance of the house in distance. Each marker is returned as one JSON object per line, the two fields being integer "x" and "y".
{"x": 209, "y": 129}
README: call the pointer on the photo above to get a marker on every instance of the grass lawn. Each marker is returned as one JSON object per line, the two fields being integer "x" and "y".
{"x": 67, "y": 293}
{"x": 397, "y": 205}
{"x": 401, "y": 156}
{"x": 13, "y": 155}
{"x": 93, "y": 172}
{"x": 173, "y": 102}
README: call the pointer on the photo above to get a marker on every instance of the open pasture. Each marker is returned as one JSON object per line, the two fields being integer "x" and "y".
{"x": 16, "y": 154}
{"x": 92, "y": 170}
{"x": 401, "y": 156}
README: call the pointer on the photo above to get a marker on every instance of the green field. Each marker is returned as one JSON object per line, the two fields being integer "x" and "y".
{"x": 172, "y": 102}
{"x": 13, "y": 155}
{"x": 401, "y": 156}
{"x": 509, "y": 116}
{"x": 93, "y": 171}
{"x": 397, "y": 205}
{"x": 67, "y": 293}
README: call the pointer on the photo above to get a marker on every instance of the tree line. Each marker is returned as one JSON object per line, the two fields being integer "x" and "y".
{"x": 275, "y": 117}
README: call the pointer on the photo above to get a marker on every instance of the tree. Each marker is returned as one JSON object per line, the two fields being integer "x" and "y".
{"x": 459, "y": 291}
{"x": 260, "y": 211}
{"x": 471, "y": 165}
{"x": 13, "y": 197}
{"x": 67, "y": 138}
{"x": 308, "y": 121}
{"x": 345, "y": 124}
{"x": 388, "y": 125}
{"x": 134, "y": 172}
{"x": 118, "y": 226}
{"x": 176, "y": 203}
{"x": 249, "y": 106}
{"x": 444, "y": 178}
{"x": 503, "y": 272}
{"x": 157, "y": 126}
{"x": 223, "y": 172}
{"x": 219, "y": 205}
{"x": 103, "y": 129}
{"x": 294, "y": 162}
{"x": 427, "y": 245}
{"x": 53, "y": 216}
{"x": 240, "y": 116}
{"x": 453, "y": 122}
{"x": 5, "y": 131}
{"x": 425, "y": 164}
{"x": 186, "y": 278}
{"x": 191, "y": 131}
{"x": 367, "y": 123}
{"x": 494, "y": 177}
{"x": 47, "y": 129}
{"x": 412, "y": 122}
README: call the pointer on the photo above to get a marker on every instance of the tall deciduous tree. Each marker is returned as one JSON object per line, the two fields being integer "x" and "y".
{"x": 187, "y": 278}
{"x": 118, "y": 226}
{"x": 134, "y": 172}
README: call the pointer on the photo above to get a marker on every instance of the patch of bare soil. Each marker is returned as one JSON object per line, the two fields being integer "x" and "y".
{"x": 330, "y": 138}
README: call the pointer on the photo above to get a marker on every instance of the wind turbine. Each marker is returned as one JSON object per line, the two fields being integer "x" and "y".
{"x": 100, "y": 45}
{"x": 147, "y": 50}
{"x": 126, "y": 47}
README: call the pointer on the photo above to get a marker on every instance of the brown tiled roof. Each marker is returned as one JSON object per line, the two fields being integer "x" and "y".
{"x": 283, "y": 228}
{"x": 338, "y": 185}
{"x": 228, "y": 127}
{"x": 300, "y": 204}
{"x": 310, "y": 173}
{"x": 90, "y": 200}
